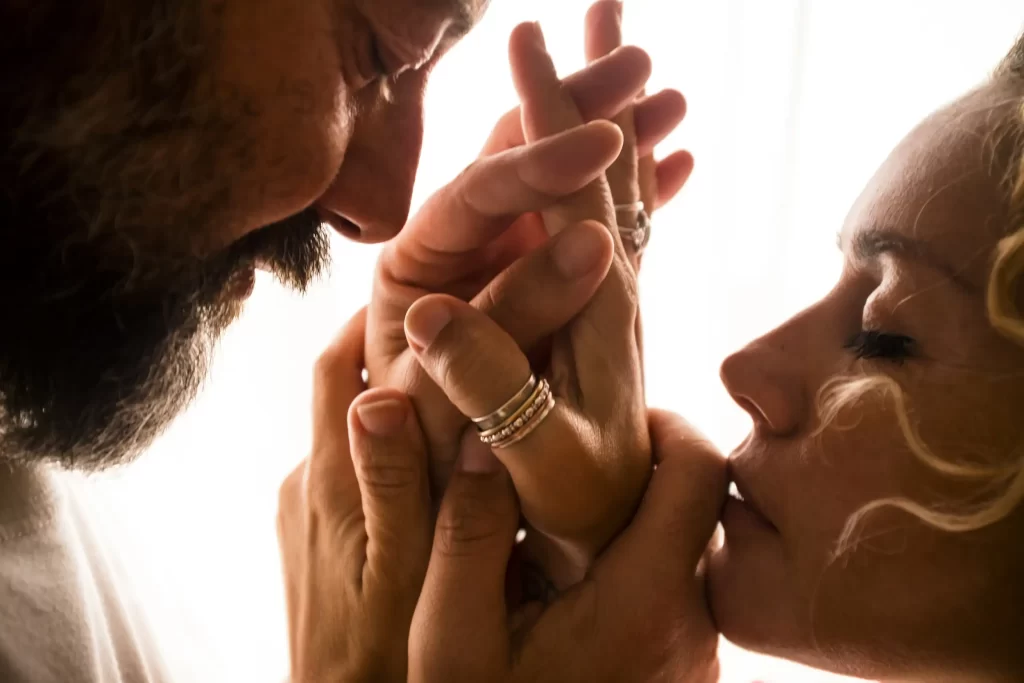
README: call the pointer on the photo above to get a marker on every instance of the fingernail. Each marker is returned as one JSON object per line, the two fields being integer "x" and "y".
{"x": 577, "y": 252}
{"x": 477, "y": 458}
{"x": 424, "y": 322}
{"x": 382, "y": 418}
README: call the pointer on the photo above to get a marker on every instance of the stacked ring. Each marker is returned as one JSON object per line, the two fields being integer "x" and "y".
{"x": 489, "y": 422}
{"x": 520, "y": 415}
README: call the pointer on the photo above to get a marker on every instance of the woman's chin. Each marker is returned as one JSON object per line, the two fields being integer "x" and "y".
{"x": 748, "y": 597}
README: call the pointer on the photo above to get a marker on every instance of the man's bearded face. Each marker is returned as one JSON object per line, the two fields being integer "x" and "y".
{"x": 154, "y": 154}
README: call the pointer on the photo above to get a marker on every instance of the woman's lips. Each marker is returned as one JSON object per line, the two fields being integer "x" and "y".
{"x": 741, "y": 506}
{"x": 736, "y": 513}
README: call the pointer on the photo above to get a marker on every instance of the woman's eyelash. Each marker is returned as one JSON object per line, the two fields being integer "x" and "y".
{"x": 874, "y": 344}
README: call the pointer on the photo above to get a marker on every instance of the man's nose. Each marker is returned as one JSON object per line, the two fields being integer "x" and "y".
{"x": 757, "y": 379}
{"x": 370, "y": 198}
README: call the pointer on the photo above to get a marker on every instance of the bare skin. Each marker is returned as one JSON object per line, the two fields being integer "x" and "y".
{"x": 907, "y": 602}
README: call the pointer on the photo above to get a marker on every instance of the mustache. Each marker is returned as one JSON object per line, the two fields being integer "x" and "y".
{"x": 91, "y": 372}
{"x": 295, "y": 250}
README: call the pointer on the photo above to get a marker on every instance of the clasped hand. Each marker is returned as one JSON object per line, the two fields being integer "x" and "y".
{"x": 512, "y": 265}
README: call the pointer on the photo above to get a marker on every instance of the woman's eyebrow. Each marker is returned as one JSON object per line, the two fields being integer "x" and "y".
{"x": 869, "y": 244}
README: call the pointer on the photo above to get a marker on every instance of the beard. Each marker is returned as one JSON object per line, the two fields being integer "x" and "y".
{"x": 92, "y": 370}
{"x": 110, "y": 305}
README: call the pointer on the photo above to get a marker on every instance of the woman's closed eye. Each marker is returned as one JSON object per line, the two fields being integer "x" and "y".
{"x": 868, "y": 344}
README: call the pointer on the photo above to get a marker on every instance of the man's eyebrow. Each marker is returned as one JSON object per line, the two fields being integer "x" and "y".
{"x": 871, "y": 243}
{"x": 465, "y": 15}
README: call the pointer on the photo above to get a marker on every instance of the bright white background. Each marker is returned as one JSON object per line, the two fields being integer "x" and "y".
{"x": 792, "y": 105}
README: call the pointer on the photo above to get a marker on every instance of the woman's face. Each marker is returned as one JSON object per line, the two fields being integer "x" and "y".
{"x": 907, "y": 601}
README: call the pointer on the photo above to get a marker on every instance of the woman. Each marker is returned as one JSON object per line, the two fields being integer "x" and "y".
{"x": 879, "y": 531}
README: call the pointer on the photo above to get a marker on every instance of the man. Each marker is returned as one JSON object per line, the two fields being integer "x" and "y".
{"x": 153, "y": 155}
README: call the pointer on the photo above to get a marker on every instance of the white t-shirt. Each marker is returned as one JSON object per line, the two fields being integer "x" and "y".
{"x": 67, "y": 613}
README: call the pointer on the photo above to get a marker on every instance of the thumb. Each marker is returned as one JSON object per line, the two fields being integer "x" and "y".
{"x": 459, "y": 630}
{"x": 390, "y": 462}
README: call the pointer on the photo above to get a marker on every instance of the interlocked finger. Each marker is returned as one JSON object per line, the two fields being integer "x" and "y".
{"x": 603, "y": 36}
{"x": 480, "y": 368}
{"x": 602, "y": 345}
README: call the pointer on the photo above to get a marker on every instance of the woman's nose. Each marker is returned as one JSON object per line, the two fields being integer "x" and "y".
{"x": 764, "y": 383}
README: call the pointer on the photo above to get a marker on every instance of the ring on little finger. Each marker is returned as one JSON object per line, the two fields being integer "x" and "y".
{"x": 637, "y": 235}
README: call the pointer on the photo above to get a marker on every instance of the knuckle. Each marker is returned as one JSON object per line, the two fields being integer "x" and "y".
{"x": 289, "y": 494}
{"x": 511, "y": 299}
{"x": 384, "y": 270}
{"x": 532, "y": 174}
{"x": 458, "y": 536}
{"x": 327, "y": 500}
{"x": 465, "y": 525}
{"x": 328, "y": 366}
{"x": 459, "y": 191}
{"x": 630, "y": 287}
{"x": 385, "y": 475}
{"x": 493, "y": 296}
{"x": 463, "y": 176}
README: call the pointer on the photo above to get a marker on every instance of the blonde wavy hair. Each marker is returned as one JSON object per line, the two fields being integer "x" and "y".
{"x": 1004, "y": 314}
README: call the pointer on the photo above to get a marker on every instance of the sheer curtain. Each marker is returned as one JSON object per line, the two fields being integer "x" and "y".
{"x": 792, "y": 105}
